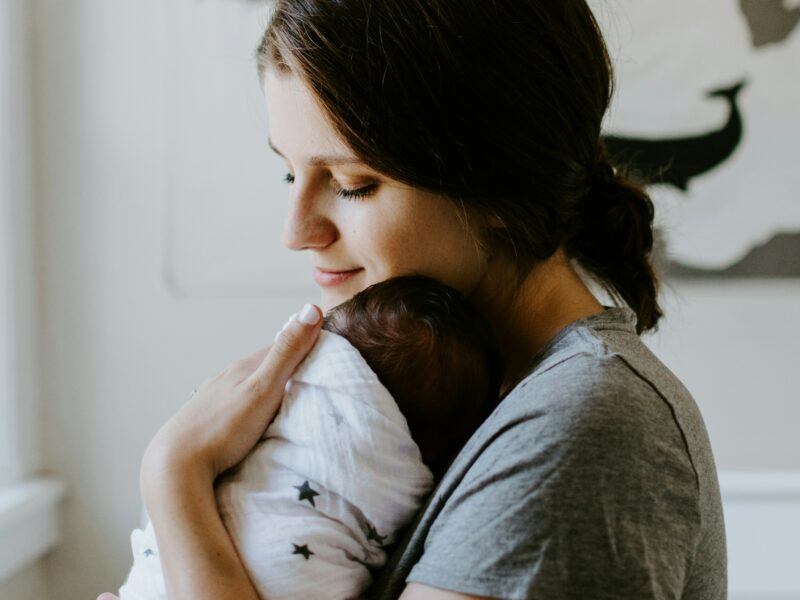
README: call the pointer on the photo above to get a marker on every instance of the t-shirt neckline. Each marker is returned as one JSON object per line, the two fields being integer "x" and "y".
{"x": 621, "y": 318}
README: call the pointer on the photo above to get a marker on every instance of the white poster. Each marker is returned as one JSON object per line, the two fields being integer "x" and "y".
{"x": 707, "y": 107}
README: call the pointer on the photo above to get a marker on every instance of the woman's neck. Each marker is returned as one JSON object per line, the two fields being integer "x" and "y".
{"x": 526, "y": 317}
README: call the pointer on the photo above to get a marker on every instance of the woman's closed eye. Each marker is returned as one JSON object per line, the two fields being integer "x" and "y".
{"x": 361, "y": 192}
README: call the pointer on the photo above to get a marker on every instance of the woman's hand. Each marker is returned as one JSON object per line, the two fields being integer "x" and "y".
{"x": 212, "y": 432}
{"x": 227, "y": 415}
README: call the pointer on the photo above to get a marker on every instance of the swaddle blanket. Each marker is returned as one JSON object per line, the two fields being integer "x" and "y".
{"x": 334, "y": 479}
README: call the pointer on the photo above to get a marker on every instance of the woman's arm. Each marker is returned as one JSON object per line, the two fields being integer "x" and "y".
{"x": 212, "y": 432}
{"x": 198, "y": 558}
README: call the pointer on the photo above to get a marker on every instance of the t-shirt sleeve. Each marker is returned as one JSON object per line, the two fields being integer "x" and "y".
{"x": 588, "y": 492}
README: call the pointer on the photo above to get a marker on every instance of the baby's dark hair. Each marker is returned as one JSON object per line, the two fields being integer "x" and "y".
{"x": 433, "y": 351}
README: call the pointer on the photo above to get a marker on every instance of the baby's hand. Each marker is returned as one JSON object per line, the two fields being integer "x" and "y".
{"x": 107, "y": 596}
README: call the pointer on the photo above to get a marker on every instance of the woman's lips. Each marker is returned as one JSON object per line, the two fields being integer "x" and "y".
{"x": 331, "y": 278}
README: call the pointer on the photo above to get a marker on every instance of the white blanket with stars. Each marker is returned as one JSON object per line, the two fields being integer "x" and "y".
{"x": 335, "y": 477}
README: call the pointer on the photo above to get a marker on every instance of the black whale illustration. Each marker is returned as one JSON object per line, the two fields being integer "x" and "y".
{"x": 770, "y": 21}
{"x": 676, "y": 161}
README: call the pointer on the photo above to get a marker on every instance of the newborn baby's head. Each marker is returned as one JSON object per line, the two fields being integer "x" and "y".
{"x": 433, "y": 351}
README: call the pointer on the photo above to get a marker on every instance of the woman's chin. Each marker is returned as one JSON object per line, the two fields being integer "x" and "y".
{"x": 335, "y": 295}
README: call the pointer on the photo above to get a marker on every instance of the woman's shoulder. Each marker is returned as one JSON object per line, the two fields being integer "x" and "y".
{"x": 596, "y": 357}
{"x": 590, "y": 465}
{"x": 595, "y": 390}
{"x": 597, "y": 379}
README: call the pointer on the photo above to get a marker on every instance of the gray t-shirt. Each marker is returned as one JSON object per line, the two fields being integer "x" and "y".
{"x": 592, "y": 479}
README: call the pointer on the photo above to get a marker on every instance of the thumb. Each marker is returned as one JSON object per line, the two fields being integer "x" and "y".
{"x": 291, "y": 346}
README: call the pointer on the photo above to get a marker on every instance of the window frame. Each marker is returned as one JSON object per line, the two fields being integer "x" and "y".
{"x": 29, "y": 506}
{"x": 18, "y": 394}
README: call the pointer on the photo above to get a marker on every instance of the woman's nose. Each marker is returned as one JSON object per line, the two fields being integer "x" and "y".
{"x": 307, "y": 226}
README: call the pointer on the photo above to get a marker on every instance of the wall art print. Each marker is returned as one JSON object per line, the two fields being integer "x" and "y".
{"x": 707, "y": 109}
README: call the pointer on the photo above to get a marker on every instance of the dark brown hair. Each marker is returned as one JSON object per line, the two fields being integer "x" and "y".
{"x": 434, "y": 352}
{"x": 496, "y": 104}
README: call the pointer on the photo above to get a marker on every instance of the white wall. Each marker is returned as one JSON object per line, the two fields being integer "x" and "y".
{"x": 734, "y": 345}
{"x": 131, "y": 322}
{"x": 123, "y": 343}
{"x": 29, "y": 584}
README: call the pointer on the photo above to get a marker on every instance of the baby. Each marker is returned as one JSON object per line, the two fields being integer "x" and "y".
{"x": 401, "y": 376}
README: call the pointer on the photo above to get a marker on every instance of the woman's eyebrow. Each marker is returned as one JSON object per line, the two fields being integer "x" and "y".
{"x": 323, "y": 161}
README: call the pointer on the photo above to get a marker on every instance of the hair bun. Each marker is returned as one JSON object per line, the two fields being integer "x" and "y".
{"x": 601, "y": 193}
{"x": 603, "y": 173}
{"x": 613, "y": 233}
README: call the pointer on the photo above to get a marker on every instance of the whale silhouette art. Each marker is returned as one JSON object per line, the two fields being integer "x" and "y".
{"x": 770, "y": 21}
{"x": 676, "y": 161}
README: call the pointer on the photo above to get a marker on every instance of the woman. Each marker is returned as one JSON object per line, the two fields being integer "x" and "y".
{"x": 460, "y": 140}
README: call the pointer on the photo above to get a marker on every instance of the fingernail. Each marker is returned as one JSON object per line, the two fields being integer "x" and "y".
{"x": 308, "y": 315}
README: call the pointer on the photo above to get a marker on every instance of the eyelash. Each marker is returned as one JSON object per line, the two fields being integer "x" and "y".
{"x": 343, "y": 193}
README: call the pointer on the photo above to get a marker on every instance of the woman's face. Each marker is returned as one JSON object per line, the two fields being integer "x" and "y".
{"x": 386, "y": 229}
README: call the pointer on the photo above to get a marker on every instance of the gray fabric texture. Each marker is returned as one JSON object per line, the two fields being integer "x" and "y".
{"x": 593, "y": 479}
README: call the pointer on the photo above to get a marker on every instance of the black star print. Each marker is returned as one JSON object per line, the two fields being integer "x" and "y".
{"x": 306, "y": 493}
{"x": 373, "y": 535}
{"x": 149, "y": 552}
{"x": 337, "y": 417}
{"x": 302, "y": 550}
